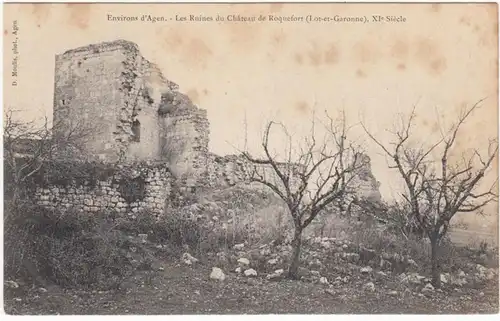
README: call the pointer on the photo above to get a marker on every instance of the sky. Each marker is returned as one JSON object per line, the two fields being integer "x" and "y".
{"x": 442, "y": 59}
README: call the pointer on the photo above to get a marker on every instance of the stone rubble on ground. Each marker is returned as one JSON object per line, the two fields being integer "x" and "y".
{"x": 412, "y": 263}
{"x": 366, "y": 269}
{"x": 327, "y": 248}
{"x": 244, "y": 261}
{"x": 143, "y": 238}
{"x": 217, "y": 274}
{"x": 369, "y": 286}
{"x": 265, "y": 252}
{"x": 427, "y": 288}
{"x": 316, "y": 263}
{"x": 11, "y": 284}
{"x": 221, "y": 256}
{"x": 444, "y": 278}
{"x": 188, "y": 259}
{"x": 315, "y": 273}
{"x": 239, "y": 247}
{"x": 331, "y": 292}
{"x": 326, "y": 245}
{"x": 275, "y": 275}
{"x": 458, "y": 281}
{"x": 250, "y": 272}
{"x": 411, "y": 278}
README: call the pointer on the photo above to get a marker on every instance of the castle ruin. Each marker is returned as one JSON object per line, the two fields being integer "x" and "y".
{"x": 134, "y": 113}
{"x": 137, "y": 116}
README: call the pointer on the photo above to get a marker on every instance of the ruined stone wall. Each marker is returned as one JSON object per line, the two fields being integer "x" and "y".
{"x": 232, "y": 169}
{"x": 365, "y": 186}
{"x": 137, "y": 112}
{"x": 103, "y": 86}
{"x": 130, "y": 190}
{"x": 185, "y": 134}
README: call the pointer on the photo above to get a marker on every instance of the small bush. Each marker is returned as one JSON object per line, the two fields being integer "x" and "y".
{"x": 70, "y": 249}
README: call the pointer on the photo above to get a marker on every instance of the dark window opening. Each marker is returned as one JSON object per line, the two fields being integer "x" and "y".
{"x": 136, "y": 131}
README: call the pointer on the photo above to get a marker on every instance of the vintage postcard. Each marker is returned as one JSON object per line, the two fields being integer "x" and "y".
{"x": 257, "y": 158}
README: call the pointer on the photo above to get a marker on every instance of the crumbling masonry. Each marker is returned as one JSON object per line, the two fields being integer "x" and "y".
{"x": 135, "y": 115}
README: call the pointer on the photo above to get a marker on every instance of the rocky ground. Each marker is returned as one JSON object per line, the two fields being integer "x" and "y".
{"x": 337, "y": 276}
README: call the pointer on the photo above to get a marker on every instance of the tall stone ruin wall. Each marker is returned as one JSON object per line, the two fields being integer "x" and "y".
{"x": 109, "y": 88}
{"x": 365, "y": 186}
{"x": 185, "y": 135}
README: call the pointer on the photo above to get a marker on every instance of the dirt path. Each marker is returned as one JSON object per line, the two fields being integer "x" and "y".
{"x": 180, "y": 290}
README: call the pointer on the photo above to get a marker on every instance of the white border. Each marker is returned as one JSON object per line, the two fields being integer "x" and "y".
{"x": 227, "y": 317}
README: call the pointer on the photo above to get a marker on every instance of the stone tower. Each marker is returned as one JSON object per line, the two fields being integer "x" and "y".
{"x": 128, "y": 109}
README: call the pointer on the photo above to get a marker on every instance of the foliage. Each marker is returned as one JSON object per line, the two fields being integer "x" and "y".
{"x": 28, "y": 147}
{"x": 395, "y": 216}
{"x": 66, "y": 173}
{"x": 132, "y": 189}
{"x": 70, "y": 249}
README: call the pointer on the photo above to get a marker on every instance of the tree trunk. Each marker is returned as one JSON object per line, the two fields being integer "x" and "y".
{"x": 436, "y": 273}
{"x": 293, "y": 270}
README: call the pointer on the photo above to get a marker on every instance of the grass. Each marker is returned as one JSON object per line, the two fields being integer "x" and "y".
{"x": 99, "y": 264}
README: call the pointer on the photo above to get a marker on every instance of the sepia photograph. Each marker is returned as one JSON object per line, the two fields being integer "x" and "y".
{"x": 250, "y": 158}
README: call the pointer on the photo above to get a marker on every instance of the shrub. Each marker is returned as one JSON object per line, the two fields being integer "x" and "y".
{"x": 70, "y": 249}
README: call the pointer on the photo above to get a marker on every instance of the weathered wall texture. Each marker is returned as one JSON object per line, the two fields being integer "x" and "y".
{"x": 137, "y": 115}
{"x": 230, "y": 170}
{"x": 134, "y": 113}
{"x": 365, "y": 186}
{"x": 130, "y": 190}
{"x": 184, "y": 135}
{"x": 87, "y": 94}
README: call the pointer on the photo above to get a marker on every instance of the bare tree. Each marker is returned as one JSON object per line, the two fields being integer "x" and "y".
{"x": 28, "y": 146}
{"x": 436, "y": 188}
{"x": 313, "y": 175}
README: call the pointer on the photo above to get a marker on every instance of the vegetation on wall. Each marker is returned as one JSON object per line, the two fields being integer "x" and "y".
{"x": 132, "y": 190}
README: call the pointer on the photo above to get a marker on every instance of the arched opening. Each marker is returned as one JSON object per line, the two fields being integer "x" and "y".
{"x": 136, "y": 131}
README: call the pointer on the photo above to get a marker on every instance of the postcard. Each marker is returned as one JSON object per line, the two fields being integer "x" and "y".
{"x": 251, "y": 158}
